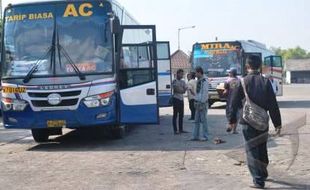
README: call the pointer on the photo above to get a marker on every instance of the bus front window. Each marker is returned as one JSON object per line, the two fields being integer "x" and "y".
{"x": 40, "y": 35}
{"x": 26, "y": 42}
{"x": 87, "y": 43}
{"x": 217, "y": 62}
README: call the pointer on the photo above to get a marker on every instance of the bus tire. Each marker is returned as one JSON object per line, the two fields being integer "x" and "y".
{"x": 40, "y": 135}
{"x": 118, "y": 132}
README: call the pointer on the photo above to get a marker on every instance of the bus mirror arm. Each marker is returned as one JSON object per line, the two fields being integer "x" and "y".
{"x": 115, "y": 24}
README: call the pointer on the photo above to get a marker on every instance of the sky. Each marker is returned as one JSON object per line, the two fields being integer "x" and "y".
{"x": 276, "y": 23}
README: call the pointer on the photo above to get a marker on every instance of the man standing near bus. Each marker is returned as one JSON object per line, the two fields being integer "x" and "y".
{"x": 259, "y": 90}
{"x": 191, "y": 92}
{"x": 201, "y": 105}
{"x": 179, "y": 89}
{"x": 231, "y": 84}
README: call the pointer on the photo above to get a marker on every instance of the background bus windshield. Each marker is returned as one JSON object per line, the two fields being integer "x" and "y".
{"x": 82, "y": 33}
{"x": 217, "y": 59}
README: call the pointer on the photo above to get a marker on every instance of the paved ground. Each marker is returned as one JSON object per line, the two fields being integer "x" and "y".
{"x": 151, "y": 157}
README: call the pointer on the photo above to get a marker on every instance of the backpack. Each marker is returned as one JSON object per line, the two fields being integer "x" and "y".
{"x": 253, "y": 114}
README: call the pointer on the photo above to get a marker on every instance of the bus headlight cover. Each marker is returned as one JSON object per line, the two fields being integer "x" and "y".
{"x": 98, "y": 100}
{"x": 13, "y": 104}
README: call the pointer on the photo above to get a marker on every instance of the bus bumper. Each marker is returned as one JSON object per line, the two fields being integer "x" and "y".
{"x": 215, "y": 97}
{"x": 81, "y": 118}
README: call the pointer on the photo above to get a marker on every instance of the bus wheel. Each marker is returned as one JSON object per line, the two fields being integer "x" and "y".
{"x": 40, "y": 135}
{"x": 118, "y": 132}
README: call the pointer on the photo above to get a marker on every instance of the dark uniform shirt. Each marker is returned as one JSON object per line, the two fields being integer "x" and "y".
{"x": 230, "y": 86}
{"x": 261, "y": 93}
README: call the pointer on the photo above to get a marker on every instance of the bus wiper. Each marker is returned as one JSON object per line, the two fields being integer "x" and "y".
{"x": 51, "y": 50}
{"x": 64, "y": 52}
{"x": 75, "y": 68}
{"x": 37, "y": 64}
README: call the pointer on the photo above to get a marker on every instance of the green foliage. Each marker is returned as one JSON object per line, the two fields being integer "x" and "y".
{"x": 292, "y": 53}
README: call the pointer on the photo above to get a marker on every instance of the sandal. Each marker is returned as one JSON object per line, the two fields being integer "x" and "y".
{"x": 218, "y": 141}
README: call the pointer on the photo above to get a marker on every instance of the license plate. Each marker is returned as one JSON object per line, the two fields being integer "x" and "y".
{"x": 214, "y": 97}
{"x": 12, "y": 90}
{"x": 56, "y": 123}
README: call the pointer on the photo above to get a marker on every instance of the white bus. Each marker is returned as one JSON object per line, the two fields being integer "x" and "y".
{"x": 217, "y": 57}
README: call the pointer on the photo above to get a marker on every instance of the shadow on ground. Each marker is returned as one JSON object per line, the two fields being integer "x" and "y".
{"x": 286, "y": 184}
{"x": 146, "y": 138}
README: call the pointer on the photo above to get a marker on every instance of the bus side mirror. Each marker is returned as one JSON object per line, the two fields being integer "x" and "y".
{"x": 116, "y": 26}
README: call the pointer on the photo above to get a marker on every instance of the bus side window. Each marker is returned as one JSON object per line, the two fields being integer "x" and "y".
{"x": 130, "y": 57}
{"x": 277, "y": 62}
{"x": 136, "y": 66}
{"x": 144, "y": 57}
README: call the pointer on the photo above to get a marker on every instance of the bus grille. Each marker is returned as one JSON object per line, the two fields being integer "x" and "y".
{"x": 40, "y": 99}
{"x": 44, "y": 103}
{"x": 62, "y": 94}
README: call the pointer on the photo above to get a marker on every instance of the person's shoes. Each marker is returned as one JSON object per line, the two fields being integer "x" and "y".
{"x": 204, "y": 139}
{"x": 257, "y": 185}
{"x": 176, "y": 133}
{"x": 190, "y": 119}
{"x": 235, "y": 132}
{"x": 184, "y": 132}
{"x": 228, "y": 130}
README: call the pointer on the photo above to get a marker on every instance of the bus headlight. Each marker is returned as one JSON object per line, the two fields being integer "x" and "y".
{"x": 13, "y": 104}
{"x": 98, "y": 100}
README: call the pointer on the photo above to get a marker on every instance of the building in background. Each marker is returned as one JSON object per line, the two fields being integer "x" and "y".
{"x": 180, "y": 60}
{"x": 297, "y": 71}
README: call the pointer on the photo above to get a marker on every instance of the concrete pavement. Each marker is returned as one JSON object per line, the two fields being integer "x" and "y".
{"x": 151, "y": 157}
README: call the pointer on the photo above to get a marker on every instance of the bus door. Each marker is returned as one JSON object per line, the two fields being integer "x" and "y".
{"x": 274, "y": 68}
{"x": 164, "y": 74}
{"x": 137, "y": 75}
{"x": 245, "y": 57}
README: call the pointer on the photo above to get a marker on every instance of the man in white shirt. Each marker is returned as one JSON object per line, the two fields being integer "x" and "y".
{"x": 191, "y": 92}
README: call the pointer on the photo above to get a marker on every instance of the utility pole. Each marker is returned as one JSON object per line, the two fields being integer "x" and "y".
{"x": 179, "y": 32}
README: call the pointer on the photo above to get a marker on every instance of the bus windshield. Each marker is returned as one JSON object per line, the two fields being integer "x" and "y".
{"x": 217, "y": 58}
{"x": 52, "y": 36}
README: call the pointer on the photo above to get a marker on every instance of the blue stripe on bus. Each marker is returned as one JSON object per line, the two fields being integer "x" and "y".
{"x": 164, "y": 100}
{"x": 164, "y": 74}
{"x": 139, "y": 114}
{"x": 74, "y": 85}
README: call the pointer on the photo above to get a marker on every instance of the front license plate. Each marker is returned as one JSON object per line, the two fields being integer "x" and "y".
{"x": 214, "y": 97}
{"x": 56, "y": 123}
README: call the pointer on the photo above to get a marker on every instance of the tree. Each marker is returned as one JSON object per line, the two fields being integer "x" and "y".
{"x": 291, "y": 53}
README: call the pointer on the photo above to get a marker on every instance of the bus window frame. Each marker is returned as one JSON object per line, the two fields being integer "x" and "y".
{"x": 153, "y": 53}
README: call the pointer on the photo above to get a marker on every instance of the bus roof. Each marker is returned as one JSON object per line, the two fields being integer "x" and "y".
{"x": 34, "y": 2}
{"x": 217, "y": 42}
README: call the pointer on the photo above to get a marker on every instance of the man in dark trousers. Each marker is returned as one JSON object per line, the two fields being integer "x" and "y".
{"x": 179, "y": 89}
{"x": 230, "y": 84}
{"x": 260, "y": 91}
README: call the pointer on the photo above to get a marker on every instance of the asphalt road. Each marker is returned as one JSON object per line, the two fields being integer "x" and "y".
{"x": 151, "y": 157}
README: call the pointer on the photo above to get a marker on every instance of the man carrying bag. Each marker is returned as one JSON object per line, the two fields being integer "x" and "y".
{"x": 256, "y": 95}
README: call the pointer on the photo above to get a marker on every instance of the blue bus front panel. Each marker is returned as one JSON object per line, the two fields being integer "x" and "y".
{"x": 82, "y": 117}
